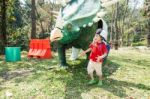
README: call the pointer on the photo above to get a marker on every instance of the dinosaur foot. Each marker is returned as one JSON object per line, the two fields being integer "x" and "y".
{"x": 63, "y": 66}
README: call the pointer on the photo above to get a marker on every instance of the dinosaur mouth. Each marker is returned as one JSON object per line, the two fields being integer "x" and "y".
{"x": 57, "y": 38}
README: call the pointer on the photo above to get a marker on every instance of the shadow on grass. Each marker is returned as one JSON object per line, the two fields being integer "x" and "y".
{"x": 140, "y": 62}
{"x": 4, "y": 68}
{"x": 117, "y": 87}
{"x": 24, "y": 68}
{"x": 78, "y": 84}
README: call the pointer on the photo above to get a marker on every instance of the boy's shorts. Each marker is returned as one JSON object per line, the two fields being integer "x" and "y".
{"x": 94, "y": 66}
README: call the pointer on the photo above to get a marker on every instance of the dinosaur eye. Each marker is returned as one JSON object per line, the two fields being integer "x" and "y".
{"x": 69, "y": 27}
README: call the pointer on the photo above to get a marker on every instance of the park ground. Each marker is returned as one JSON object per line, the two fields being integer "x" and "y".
{"x": 126, "y": 76}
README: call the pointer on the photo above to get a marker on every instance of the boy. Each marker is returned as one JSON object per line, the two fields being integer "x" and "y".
{"x": 98, "y": 52}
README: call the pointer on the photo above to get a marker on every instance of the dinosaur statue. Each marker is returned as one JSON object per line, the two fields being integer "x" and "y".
{"x": 76, "y": 24}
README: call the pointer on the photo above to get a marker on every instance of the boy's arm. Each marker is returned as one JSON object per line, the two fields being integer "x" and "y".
{"x": 101, "y": 57}
{"x": 84, "y": 52}
{"x": 88, "y": 50}
{"x": 104, "y": 55}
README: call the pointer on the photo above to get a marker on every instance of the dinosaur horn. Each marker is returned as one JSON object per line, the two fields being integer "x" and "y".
{"x": 101, "y": 13}
{"x": 59, "y": 21}
{"x": 63, "y": 2}
{"x": 109, "y": 3}
{"x": 55, "y": 16}
{"x": 55, "y": 12}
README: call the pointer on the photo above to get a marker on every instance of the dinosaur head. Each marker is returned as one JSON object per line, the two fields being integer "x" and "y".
{"x": 76, "y": 14}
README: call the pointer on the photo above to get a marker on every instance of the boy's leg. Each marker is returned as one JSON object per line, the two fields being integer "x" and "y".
{"x": 98, "y": 69}
{"x": 91, "y": 76}
{"x": 90, "y": 70}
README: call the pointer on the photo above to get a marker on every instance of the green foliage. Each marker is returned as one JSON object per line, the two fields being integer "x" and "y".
{"x": 141, "y": 43}
{"x": 44, "y": 35}
{"x": 136, "y": 38}
{"x": 18, "y": 21}
{"x": 17, "y": 24}
{"x": 132, "y": 25}
{"x": 14, "y": 19}
{"x": 19, "y": 38}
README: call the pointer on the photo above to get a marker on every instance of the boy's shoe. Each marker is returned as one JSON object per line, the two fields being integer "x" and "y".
{"x": 100, "y": 83}
{"x": 91, "y": 82}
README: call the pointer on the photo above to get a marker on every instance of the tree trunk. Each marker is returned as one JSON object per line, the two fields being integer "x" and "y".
{"x": 33, "y": 18}
{"x": 123, "y": 21}
{"x": 3, "y": 39}
{"x": 148, "y": 36}
{"x": 116, "y": 28}
{"x": 147, "y": 15}
{"x": 42, "y": 28}
{"x": 111, "y": 32}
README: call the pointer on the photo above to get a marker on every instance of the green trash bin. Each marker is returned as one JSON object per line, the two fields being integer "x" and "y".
{"x": 12, "y": 54}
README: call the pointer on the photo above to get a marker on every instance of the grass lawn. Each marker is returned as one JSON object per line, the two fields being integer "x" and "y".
{"x": 126, "y": 76}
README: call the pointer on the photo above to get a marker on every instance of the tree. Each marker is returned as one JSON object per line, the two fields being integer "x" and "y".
{"x": 33, "y": 18}
{"x": 147, "y": 14}
{"x": 125, "y": 23}
{"x": 116, "y": 28}
{"x": 3, "y": 39}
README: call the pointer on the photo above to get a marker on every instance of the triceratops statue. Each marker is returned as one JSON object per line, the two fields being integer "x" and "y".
{"x": 77, "y": 23}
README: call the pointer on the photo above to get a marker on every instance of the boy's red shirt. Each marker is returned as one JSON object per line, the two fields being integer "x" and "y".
{"x": 97, "y": 49}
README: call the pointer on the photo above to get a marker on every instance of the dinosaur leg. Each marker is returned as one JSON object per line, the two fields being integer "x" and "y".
{"x": 87, "y": 59}
{"x": 62, "y": 55}
{"x": 74, "y": 54}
